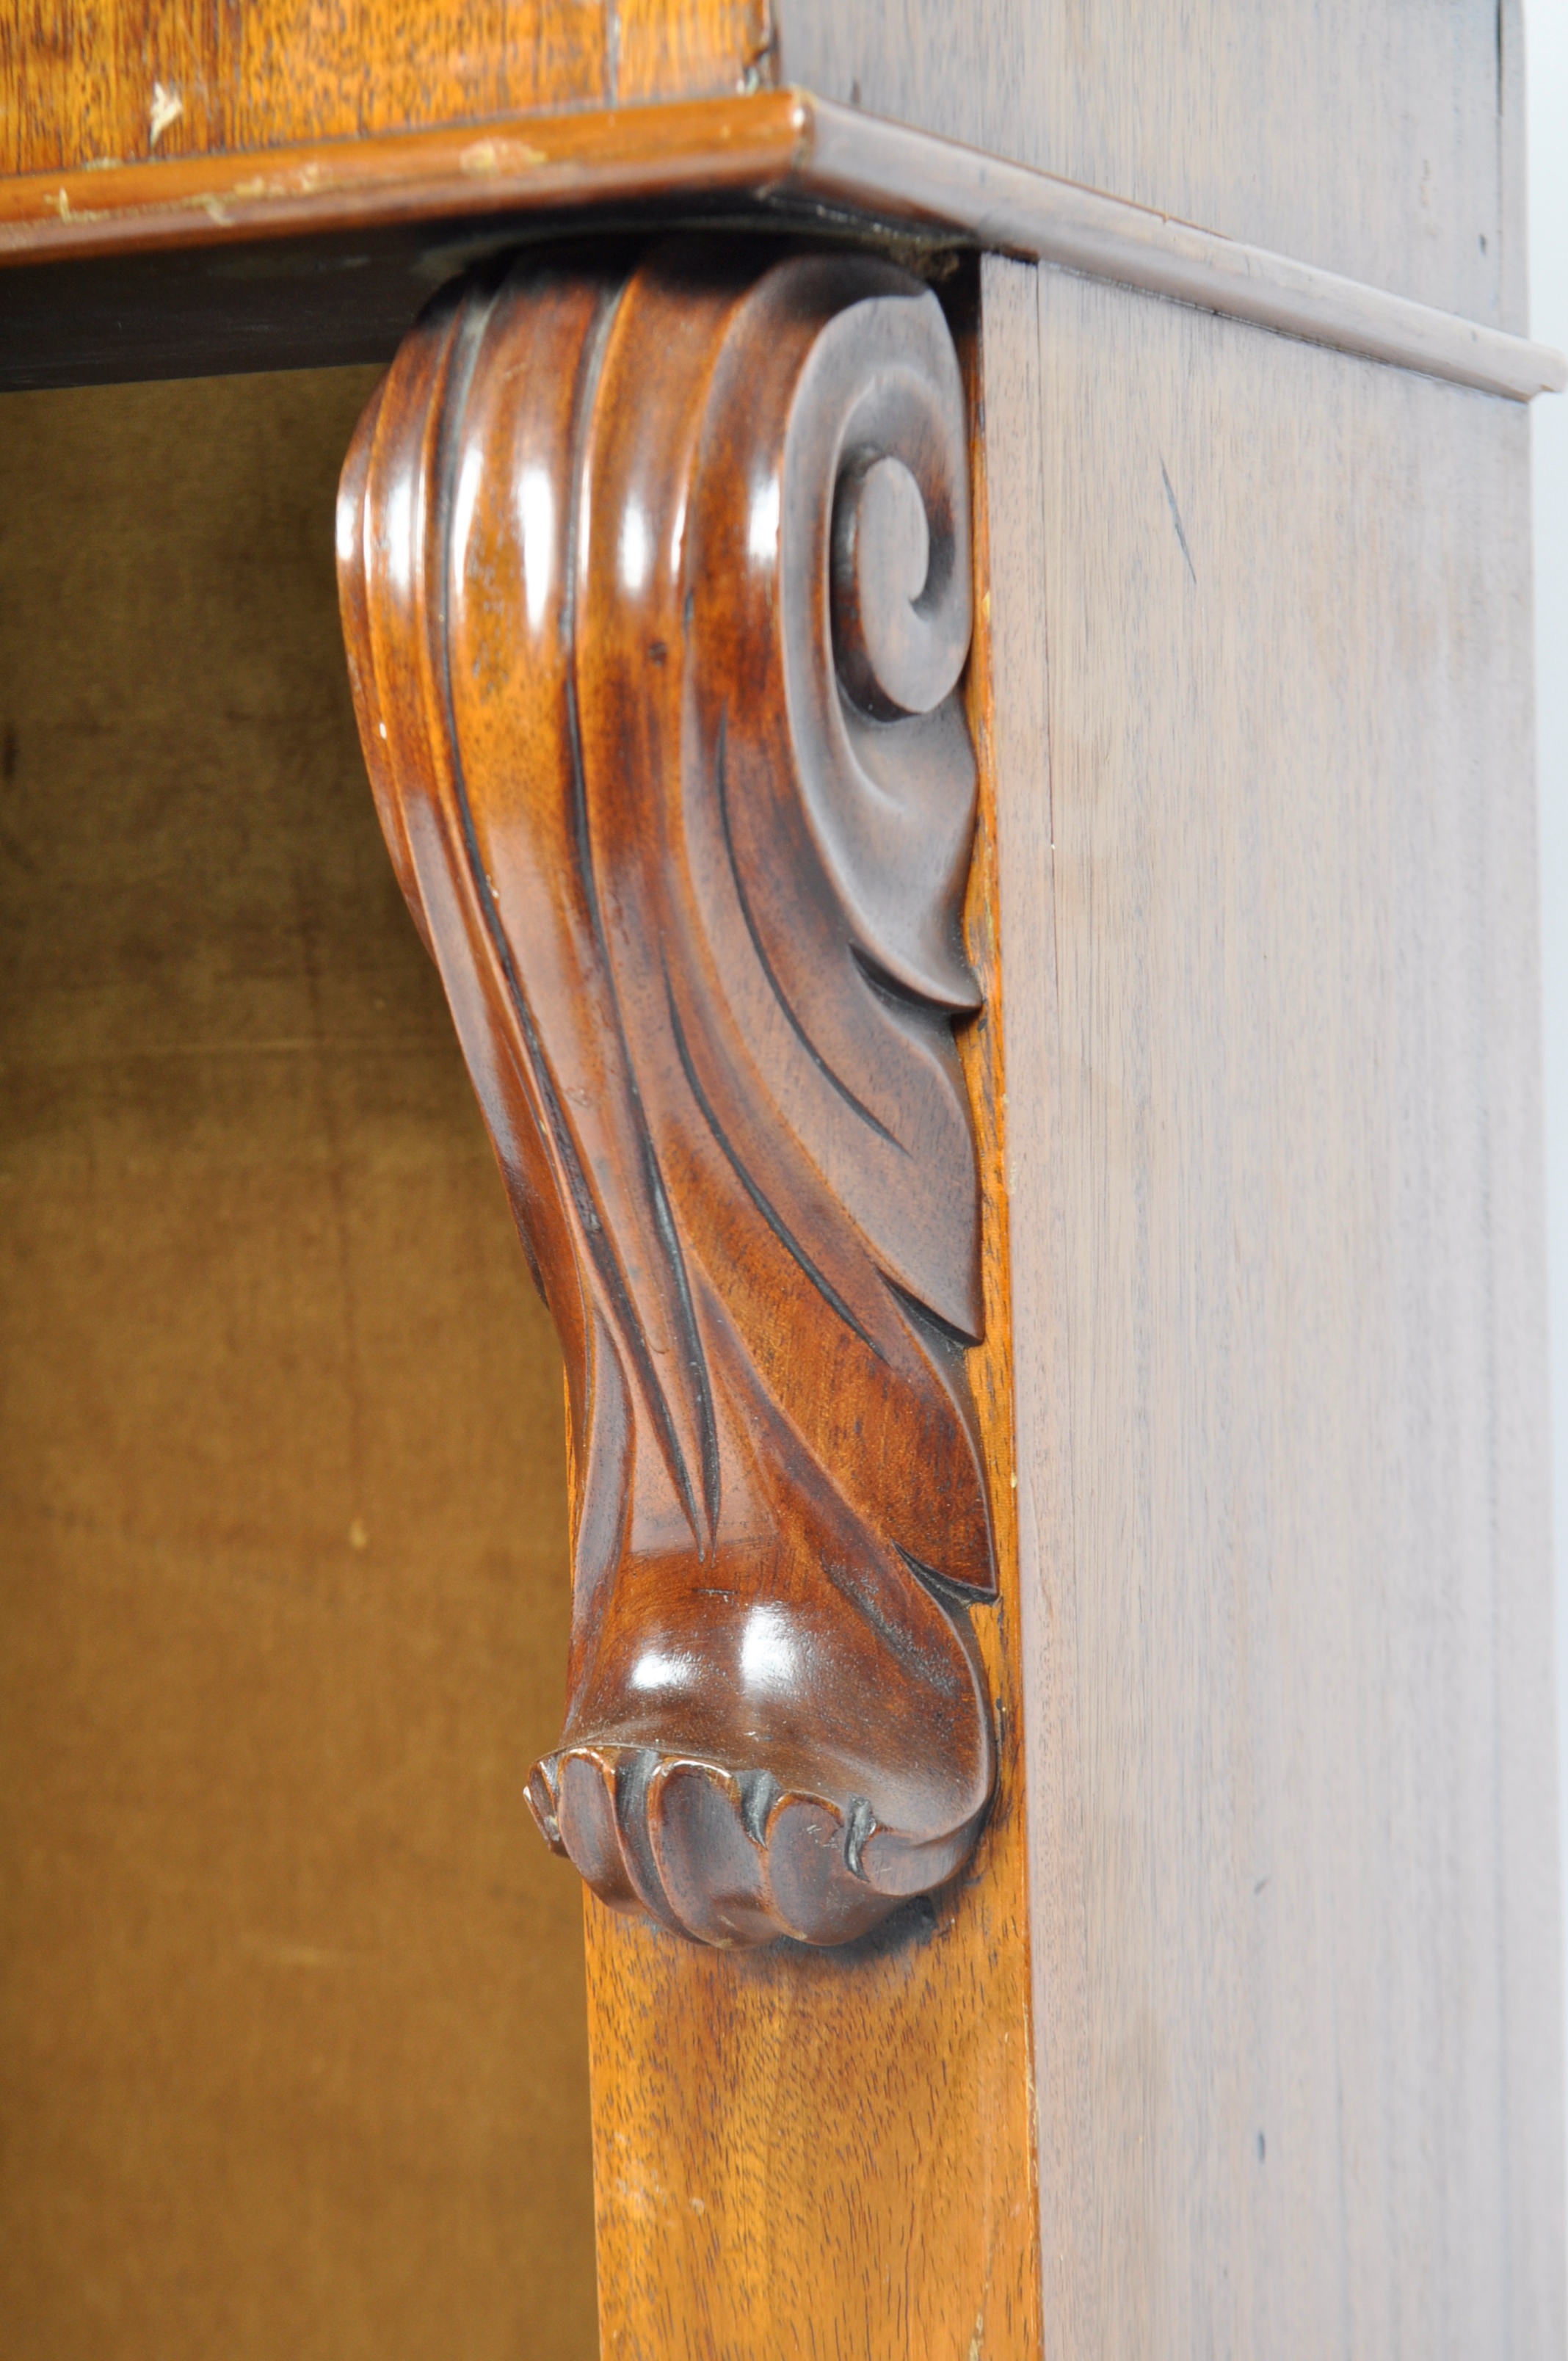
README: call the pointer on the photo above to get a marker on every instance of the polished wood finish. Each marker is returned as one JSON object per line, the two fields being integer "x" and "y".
{"x": 293, "y": 2057}
{"x": 391, "y": 216}
{"x": 1267, "y": 823}
{"x": 656, "y": 588}
{"x": 604, "y": 157}
{"x": 107, "y": 82}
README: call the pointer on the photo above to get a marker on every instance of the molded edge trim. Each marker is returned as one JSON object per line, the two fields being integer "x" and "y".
{"x": 1010, "y": 209}
{"x": 771, "y": 145}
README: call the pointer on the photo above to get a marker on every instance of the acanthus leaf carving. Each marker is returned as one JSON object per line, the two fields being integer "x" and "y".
{"x": 656, "y": 590}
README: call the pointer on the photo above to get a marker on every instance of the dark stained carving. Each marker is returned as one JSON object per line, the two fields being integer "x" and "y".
{"x": 656, "y": 588}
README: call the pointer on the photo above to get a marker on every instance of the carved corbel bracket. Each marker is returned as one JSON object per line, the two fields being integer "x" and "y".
{"x": 655, "y": 580}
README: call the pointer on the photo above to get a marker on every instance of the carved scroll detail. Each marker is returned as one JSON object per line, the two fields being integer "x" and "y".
{"x": 656, "y": 590}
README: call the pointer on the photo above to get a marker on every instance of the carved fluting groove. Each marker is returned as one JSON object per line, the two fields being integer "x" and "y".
{"x": 656, "y": 583}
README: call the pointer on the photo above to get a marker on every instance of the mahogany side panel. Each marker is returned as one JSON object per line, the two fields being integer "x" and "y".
{"x": 656, "y": 583}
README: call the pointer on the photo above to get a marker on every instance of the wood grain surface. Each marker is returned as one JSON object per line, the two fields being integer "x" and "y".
{"x": 292, "y": 2053}
{"x": 831, "y": 2157}
{"x": 1265, "y": 826}
{"x": 115, "y": 79}
{"x": 1384, "y": 143}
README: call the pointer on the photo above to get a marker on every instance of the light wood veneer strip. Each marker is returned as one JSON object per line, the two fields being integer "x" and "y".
{"x": 771, "y": 145}
{"x": 1009, "y": 209}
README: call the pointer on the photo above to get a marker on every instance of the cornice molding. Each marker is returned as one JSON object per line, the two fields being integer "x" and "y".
{"x": 775, "y": 151}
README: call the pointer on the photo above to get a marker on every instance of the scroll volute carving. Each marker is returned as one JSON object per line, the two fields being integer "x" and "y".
{"x": 656, "y": 584}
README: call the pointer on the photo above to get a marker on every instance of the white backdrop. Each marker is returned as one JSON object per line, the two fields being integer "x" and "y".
{"x": 1547, "y": 66}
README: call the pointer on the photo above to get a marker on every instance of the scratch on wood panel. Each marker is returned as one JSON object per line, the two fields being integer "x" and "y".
{"x": 61, "y": 204}
{"x": 643, "y": 2202}
{"x": 492, "y": 156}
{"x": 1498, "y": 46}
{"x": 168, "y": 106}
{"x": 760, "y": 67}
{"x": 1175, "y": 521}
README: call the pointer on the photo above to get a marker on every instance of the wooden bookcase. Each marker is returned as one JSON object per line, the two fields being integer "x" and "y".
{"x": 1237, "y": 2029}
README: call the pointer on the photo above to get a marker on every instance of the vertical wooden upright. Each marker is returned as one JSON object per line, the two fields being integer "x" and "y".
{"x": 1267, "y": 835}
{"x": 834, "y": 2153}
